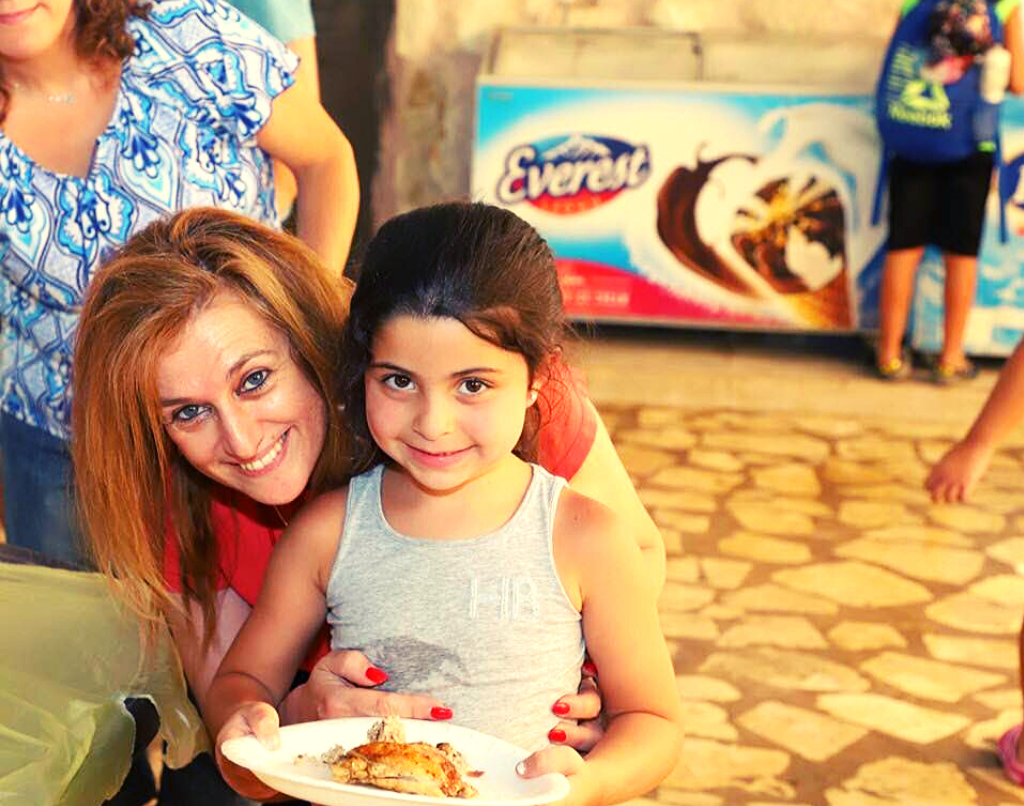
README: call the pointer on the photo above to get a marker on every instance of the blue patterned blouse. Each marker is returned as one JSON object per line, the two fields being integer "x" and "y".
{"x": 183, "y": 133}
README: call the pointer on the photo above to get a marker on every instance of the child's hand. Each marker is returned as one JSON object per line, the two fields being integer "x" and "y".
{"x": 253, "y": 719}
{"x": 955, "y": 475}
{"x": 558, "y": 758}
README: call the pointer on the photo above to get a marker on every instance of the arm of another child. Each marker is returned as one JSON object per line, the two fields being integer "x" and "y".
{"x": 1015, "y": 44}
{"x": 955, "y": 475}
{"x": 303, "y": 136}
{"x": 261, "y": 664}
{"x": 602, "y": 570}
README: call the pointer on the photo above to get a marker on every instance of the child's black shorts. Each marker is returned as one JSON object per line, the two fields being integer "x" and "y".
{"x": 938, "y": 203}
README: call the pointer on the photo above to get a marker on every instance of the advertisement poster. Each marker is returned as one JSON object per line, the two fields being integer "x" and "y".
{"x": 713, "y": 208}
{"x": 996, "y": 321}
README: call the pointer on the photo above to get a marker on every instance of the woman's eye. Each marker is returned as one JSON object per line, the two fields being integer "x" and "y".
{"x": 473, "y": 386}
{"x": 401, "y": 382}
{"x": 254, "y": 380}
{"x": 187, "y": 414}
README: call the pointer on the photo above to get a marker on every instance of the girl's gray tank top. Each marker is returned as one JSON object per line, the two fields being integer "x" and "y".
{"x": 483, "y": 624}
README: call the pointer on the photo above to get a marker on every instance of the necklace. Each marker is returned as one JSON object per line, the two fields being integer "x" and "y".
{"x": 280, "y": 517}
{"x": 66, "y": 98}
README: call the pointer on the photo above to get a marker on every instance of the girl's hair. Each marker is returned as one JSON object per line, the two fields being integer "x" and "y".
{"x": 101, "y": 33}
{"x": 134, "y": 489}
{"x": 476, "y": 263}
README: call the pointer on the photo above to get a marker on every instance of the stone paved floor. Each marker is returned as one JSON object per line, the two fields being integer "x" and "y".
{"x": 837, "y": 638}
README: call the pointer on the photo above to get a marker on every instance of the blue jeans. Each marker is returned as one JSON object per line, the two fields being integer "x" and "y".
{"x": 39, "y": 509}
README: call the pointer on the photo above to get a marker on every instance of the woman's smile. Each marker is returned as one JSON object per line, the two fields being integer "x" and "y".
{"x": 269, "y": 460}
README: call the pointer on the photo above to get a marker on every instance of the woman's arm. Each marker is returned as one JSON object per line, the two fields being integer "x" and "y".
{"x": 602, "y": 569}
{"x": 954, "y": 476}
{"x": 200, "y": 663}
{"x": 603, "y": 477}
{"x": 302, "y": 135}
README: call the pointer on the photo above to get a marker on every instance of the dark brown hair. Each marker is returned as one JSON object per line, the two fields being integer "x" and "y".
{"x": 131, "y": 482}
{"x": 101, "y": 34}
{"x": 476, "y": 263}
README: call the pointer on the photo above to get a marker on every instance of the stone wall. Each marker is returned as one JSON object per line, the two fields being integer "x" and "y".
{"x": 438, "y": 46}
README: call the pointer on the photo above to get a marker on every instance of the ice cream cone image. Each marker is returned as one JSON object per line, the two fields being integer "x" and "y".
{"x": 783, "y": 239}
{"x": 828, "y": 308}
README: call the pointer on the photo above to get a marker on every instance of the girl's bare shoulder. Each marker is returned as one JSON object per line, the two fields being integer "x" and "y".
{"x": 586, "y": 524}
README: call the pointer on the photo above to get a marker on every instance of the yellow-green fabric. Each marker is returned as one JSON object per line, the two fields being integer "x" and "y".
{"x": 1002, "y": 9}
{"x": 69, "y": 657}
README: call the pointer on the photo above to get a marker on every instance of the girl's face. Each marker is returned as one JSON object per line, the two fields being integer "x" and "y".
{"x": 445, "y": 404}
{"x": 236, "y": 404}
{"x": 30, "y": 28}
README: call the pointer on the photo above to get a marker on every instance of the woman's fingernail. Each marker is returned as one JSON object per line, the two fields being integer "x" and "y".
{"x": 589, "y": 668}
{"x": 437, "y": 712}
{"x": 375, "y": 675}
{"x": 556, "y": 735}
{"x": 560, "y": 708}
{"x": 521, "y": 768}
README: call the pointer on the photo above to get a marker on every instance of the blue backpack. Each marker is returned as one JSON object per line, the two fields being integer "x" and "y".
{"x": 918, "y": 117}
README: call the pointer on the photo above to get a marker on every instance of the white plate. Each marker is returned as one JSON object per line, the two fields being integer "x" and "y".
{"x": 498, "y": 786}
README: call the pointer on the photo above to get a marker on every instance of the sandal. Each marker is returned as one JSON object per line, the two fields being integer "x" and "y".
{"x": 1007, "y": 749}
{"x": 895, "y": 369}
{"x": 945, "y": 374}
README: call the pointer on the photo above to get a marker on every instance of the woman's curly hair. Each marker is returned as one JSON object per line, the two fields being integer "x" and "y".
{"x": 101, "y": 33}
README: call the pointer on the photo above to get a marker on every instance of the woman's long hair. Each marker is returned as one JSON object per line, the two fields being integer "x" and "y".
{"x": 101, "y": 34}
{"x": 134, "y": 490}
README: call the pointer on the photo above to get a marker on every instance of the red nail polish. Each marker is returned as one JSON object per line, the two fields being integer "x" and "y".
{"x": 560, "y": 708}
{"x": 375, "y": 675}
{"x": 556, "y": 735}
{"x": 589, "y": 668}
{"x": 440, "y": 713}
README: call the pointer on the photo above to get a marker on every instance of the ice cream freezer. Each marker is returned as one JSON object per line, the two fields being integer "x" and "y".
{"x": 701, "y": 180}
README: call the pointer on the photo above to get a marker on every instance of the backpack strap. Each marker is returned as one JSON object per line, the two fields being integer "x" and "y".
{"x": 883, "y": 180}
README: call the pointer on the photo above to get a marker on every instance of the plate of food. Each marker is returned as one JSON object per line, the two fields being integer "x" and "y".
{"x": 366, "y": 761}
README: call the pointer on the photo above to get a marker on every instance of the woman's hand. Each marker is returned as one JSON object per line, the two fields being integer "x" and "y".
{"x": 341, "y": 684}
{"x": 584, "y": 709}
{"x": 955, "y": 475}
{"x": 257, "y": 719}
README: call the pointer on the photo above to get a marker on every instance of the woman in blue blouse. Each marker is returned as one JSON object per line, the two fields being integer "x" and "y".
{"x": 111, "y": 117}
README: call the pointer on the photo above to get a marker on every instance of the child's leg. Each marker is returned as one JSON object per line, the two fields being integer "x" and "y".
{"x": 894, "y": 305}
{"x": 961, "y": 281}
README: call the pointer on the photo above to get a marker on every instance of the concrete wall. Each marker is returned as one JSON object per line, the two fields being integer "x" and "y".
{"x": 437, "y": 47}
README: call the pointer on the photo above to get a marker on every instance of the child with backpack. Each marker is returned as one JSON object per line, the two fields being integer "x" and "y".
{"x": 452, "y": 560}
{"x": 937, "y": 109}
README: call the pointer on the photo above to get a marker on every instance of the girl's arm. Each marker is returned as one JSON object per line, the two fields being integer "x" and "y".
{"x": 603, "y": 477}
{"x": 302, "y": 135}
{"x": 602, "y": 569}
{"x": 954, "y": 476}
{"x": 258, "y": 669}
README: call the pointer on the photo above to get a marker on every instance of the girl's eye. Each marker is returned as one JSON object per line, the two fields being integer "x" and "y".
{"x": 473, "y": 386}
{"x": 254, "y": 380}
{"x": 399, "y": 382}
{"x": 188, "y": 414}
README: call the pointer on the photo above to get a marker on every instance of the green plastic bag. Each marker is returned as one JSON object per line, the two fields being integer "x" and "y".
{"x": 69, "y": 657}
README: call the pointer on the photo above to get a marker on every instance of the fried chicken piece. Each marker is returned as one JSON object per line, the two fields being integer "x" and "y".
{"x": 388, "y": 729}
{"x": 416, "y": 769}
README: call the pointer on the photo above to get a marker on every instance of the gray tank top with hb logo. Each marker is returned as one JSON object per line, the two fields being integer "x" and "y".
{"x": 483, "y": 623}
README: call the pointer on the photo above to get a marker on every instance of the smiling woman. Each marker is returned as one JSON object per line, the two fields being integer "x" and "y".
{"x": 237, "y": 406}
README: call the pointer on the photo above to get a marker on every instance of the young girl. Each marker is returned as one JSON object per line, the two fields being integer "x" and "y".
{"x": 452, "y": 561}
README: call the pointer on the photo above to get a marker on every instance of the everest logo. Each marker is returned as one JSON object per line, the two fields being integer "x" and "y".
{"x": 572, "y": 174}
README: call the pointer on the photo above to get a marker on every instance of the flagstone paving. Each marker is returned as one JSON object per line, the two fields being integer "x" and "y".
{"x": 837, "y": 638}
